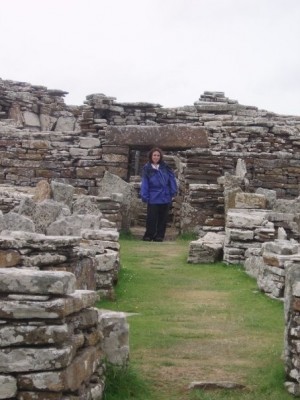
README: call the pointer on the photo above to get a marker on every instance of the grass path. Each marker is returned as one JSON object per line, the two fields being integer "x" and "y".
{"x": 197, "y": 323}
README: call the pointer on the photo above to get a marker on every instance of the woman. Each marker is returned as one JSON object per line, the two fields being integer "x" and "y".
{"x": 157, "y": 190}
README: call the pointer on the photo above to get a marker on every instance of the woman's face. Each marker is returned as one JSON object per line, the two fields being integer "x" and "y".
{"x": 155, "y": 157}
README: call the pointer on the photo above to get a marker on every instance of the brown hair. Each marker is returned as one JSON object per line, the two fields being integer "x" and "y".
{"x": 152, "y": 151}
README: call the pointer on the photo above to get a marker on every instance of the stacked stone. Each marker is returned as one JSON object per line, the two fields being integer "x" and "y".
{"x": 139, "y": 113}
{"x": 51, "y": 341}
{"x": 104, "y": 243}
{"x": 87, "y": 120}
{"x": 285, "y": 214}
{"x": 92, "y": 125}
{"x": 208, "y": 249}
{"x": 292, "y": 328}
{"x": 35, "y": 107}
{"x": 275, "y": 256}
{"x": 203, "y": 205}
{"x": 116, "y": 159}
{"x": 55, "y": 253}
{"x": 269, "y": 143}
{"x": 84, "y": 242}
{"x": 246, "y": 228}
{"x": 10, "y": 197}
{"x": 205, "y": 167}
{"x": 110, "y": 208}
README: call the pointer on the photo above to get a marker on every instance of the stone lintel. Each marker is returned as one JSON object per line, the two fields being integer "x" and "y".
{"x": 165, "y": 136}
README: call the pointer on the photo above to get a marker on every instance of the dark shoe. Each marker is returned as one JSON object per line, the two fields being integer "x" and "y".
{"x": 158, "y": 239}
{"x": 147, "y": 239}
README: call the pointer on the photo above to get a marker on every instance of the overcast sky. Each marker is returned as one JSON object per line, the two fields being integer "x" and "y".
{"x": 159, "y": 51}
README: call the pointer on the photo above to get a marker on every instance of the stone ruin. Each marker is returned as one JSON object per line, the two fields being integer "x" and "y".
{"x": 58, "y": 255}
{"x": 66, "y": 233}
{"x": 238, "y": 175}
{"x": 262, "y": 234}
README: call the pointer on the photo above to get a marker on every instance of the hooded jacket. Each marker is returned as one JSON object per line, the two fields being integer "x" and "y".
{"x": 158, "y": 185}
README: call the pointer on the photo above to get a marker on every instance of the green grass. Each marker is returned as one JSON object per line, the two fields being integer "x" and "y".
{"x": 195, "y": 323}
{"x": 125, "y": 383}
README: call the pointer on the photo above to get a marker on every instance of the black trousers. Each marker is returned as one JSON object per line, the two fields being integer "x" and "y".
{"x": 156, "y": 223}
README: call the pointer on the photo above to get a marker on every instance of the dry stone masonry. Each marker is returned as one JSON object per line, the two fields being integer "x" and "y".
{"x": 53, "y": 341}
{"x": 50, "y": 337}
{"x": 69, "y": 182}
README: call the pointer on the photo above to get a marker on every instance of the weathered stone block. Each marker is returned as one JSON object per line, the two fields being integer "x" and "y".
{"x": 74, "y": 225}
{"x": 165, "y": 136}
{"x": 31, "y": 119}
{"x": 100, "y": 234}
{"x": 33, "y": 359}
{"x": 69, "y": 379}
{"x": 9, "y": 258}
{"x": 90, "y": 172}
{"x": 27, "y": 335}
{"x": 52, "y": 309}
{"x": 250, "y": 200}
{"x": 116, "y": 336}
{"x": 62, "y": 193}
{"x": 245, "y": 219}
{"x": 16, "y": 222}
{"x": 24, "y": 280}
{"x": 8, "y": 386}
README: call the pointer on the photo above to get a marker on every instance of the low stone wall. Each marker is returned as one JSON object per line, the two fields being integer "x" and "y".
{"x": 245, "y": 229}
{"x": 268, "y": 265}
{"x": 292, "y": 328}
{"x": 53, "y": 341}
{"x": 50, "y": 337}
{"x": 58, "y": 230}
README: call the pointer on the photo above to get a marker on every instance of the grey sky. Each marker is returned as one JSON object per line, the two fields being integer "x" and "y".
{"x": 161, "y": 51}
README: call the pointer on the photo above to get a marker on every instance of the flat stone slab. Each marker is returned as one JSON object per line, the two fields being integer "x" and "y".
{"x": 210, "y": 385}
{"x": 81, "y": 368}
{"x": 29, "y": 281}
{"x": 32, "y": 359}
{"x": 26, "y": 335}
{"x": 51, "y": 309}
{"x": 21, "y": 239}
{"x": 165, "y": 136}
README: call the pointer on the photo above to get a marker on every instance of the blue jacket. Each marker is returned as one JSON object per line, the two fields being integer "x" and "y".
{"x": 158, "y": 185}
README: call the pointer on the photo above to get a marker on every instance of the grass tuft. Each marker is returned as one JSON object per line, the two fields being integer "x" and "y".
{"x": 125, "y": 383}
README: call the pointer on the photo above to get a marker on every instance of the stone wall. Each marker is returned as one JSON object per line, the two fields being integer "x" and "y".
{"x": 51, "y": 228}
{"x": 54, "y": 343}
{"x": 42, "y": 138}
{"x": 50, "y": 337}
{"x": 292, "y": 328}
